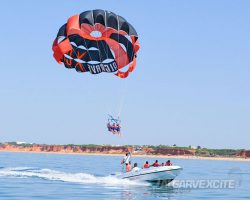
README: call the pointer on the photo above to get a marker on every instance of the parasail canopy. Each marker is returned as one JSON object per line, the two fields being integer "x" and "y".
{"x": 97, "y": 41}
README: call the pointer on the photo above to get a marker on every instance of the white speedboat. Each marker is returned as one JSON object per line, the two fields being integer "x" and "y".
{"x": 153, "y": 174}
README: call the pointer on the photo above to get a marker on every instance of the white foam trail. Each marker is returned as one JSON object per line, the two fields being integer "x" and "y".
{"x": 53, "y": 175}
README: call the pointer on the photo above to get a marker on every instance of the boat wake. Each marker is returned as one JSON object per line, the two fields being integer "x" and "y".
{"x": 54, "y": 175}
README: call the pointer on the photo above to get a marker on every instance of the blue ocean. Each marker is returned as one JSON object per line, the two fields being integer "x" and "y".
{"x": 26, "y": 176}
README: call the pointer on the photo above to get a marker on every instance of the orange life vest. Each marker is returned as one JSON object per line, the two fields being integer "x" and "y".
{"x": 146, "y": 165}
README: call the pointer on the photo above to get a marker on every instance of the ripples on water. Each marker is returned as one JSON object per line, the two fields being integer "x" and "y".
{"x": 52, "y": 176}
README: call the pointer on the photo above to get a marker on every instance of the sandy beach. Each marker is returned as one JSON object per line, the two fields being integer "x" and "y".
{"x": 239, "y": 159}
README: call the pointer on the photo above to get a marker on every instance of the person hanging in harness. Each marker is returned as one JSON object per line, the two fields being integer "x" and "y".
{"x": 118, "y": 128}
{"x": 109, "y": 127}
{"x": 114, "y": 125}
{"x": 113, "y": 128}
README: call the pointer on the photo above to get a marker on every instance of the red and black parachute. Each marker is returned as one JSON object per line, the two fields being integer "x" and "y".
{"x": 97, "y": 41}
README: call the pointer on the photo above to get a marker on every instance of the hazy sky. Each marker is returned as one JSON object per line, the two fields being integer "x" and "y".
{"x": 191, "y": 85}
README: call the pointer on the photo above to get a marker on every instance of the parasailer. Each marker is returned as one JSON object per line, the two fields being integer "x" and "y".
{"x": 97, "y": 41}
{"x": 114, "y": 125}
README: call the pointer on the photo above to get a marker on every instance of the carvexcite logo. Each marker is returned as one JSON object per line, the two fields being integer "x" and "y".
{"x": 205, "y": 184}
{"x": 232, "y": 180}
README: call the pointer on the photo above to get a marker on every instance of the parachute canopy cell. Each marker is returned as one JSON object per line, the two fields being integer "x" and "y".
{"x": 97, "y": 41}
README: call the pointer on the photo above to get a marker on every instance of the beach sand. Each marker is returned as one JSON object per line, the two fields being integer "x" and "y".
{"x": 240, "y": 159}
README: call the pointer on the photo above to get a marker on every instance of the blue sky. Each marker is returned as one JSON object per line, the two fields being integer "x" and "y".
{"x": 191, "y": 85}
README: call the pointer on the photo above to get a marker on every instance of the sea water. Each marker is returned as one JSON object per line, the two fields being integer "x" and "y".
{"x": 26, "y": 176}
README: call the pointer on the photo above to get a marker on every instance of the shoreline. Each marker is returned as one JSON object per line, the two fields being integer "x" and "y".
{"x": 188, "y": 157}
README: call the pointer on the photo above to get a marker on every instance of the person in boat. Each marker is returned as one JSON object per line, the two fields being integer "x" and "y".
{"x": 126, "y": 158}
{"x": 128, "y": 166}
{"x": 168, "y": 163}
{"x": 136, "y": 168}
{"x": 146, "y": 165}
{"x": 125, "y": 161}
{"x": 156, "y": 164}
{"x": 163, "y": 164}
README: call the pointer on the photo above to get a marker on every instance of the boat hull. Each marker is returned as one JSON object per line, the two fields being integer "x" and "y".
{"x": 153, "y": 174}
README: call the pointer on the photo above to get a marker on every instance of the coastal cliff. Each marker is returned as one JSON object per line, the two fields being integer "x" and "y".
{"x": 118, "y": 150}
{"x": 93, "y": 149}
{"x": 245, "y": 153}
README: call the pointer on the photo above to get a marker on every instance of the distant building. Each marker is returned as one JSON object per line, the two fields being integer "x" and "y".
{"x": 138, "y": 149}
{"x": 20, "y": 143}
